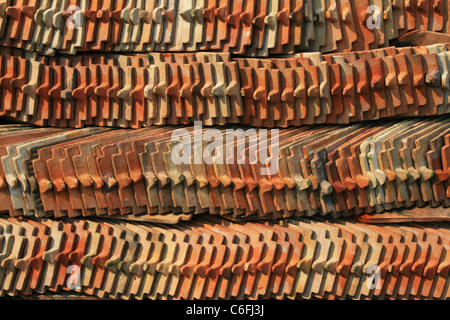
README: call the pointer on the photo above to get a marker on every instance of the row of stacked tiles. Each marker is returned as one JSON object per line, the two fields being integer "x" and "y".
{"x": 216, "y": 259}
{"x": 251, "y": 27}
{"x": 326, "y": 170}
{"x": 139, "y": 91}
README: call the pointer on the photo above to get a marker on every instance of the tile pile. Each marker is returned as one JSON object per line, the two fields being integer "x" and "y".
{"x": 139, "y": 91}
{"x": 253, "y": 28}
{"x": 214, "y": 259}
{"x": 112, "y": 187}
{"x": 323, "y": 170}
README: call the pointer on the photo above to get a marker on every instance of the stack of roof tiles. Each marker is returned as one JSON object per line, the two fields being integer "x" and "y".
{"x": 93, "y": 200}
{"x": 250, "y": 27}
{"x": 324, "y": 170}
{"x": 216, "y": 259}
{"x": 217, "y": 89}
